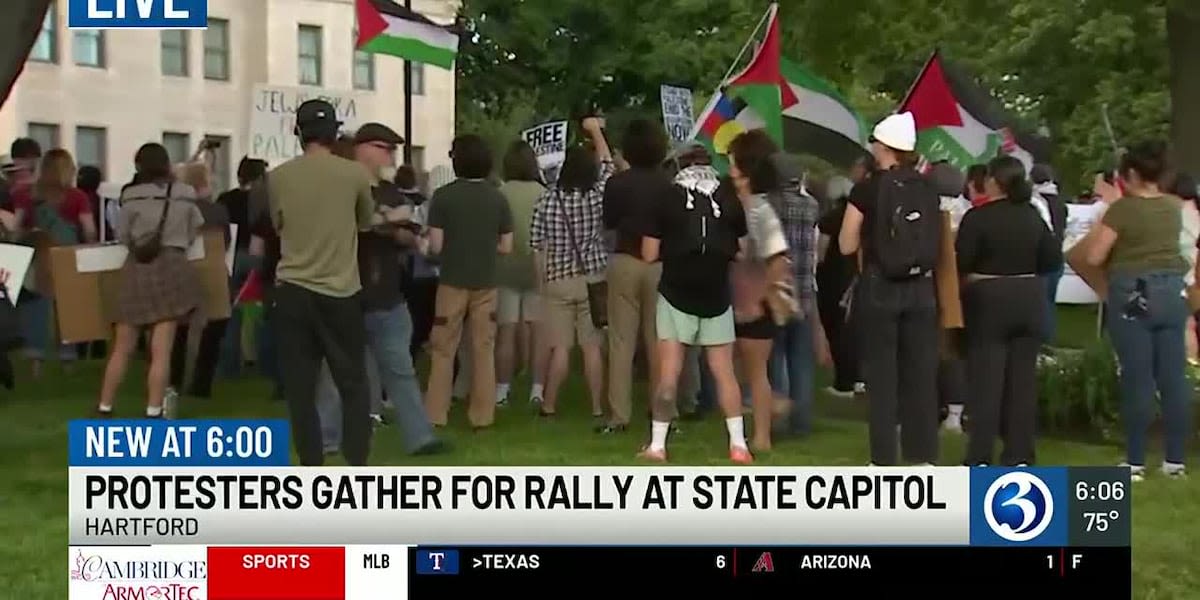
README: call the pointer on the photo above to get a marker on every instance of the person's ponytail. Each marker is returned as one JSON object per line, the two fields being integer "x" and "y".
{"x": 1009, "y": 174}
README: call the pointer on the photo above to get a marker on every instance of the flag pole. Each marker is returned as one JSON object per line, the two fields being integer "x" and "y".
{"x": 912, "y": 88}
{"x": 733, "y": 66}
{"x": 408, "y": 110}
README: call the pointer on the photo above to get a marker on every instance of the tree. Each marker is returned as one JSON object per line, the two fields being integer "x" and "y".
{"x": 1183, "y": 43}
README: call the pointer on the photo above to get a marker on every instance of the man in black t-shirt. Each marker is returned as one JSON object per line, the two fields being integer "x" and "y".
{"x": 696, "y": 233}
{"x": 896, "y": 317}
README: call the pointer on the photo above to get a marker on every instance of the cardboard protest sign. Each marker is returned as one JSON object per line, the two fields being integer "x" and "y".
{"x": 946, "y": 277}
{"x": 87, "y": 280}
{"x": 1081, "y": 283}
{"x": 549, "y": 143}
{"x": 678, "y": 115}
{"x": 14, "y": 264}
{"x": 273, "y": 119}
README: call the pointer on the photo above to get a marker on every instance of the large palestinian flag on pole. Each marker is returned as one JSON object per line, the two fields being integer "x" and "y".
{"x": 820, "y": 122}
{"x": 20, "y": 27}
{"x": 385, "y": 27}
{"x": 959, "y": 122}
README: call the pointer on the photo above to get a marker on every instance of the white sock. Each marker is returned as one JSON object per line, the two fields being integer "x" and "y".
{"x": 537, "y": 390}
{"x": 658, "y": 435}
{"x": 105, "y": 408}
{"x": 956, "y": 411}
{"x": 737, "y": 431}
{"x": 154, "y": 411}
{"x": 501, "y": 392}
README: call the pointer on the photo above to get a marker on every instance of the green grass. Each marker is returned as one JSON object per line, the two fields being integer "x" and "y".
{"x": 33, "y": 495}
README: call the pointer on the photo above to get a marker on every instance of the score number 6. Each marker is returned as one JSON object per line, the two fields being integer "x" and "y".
{"x": 721, "y": 562}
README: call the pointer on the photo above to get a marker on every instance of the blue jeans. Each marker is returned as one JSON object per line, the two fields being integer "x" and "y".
{"x": 1051, "y": 332}
{"x": 1153, "y": 357}
{"x": 793, "y": 373}
{"x": 390, "y": 367}
{"x": 36, "y": 312}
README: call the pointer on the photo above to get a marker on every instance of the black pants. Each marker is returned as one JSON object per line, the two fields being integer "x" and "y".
{"x": 838, "y": 332}
{"x": 206, "y": 358}
{"x": 421, "y": 296}
{"x": 952, "y": 371}
{"x": 1005, "y": 319}
{"x": 898, "y": 324}
{"x": 312, "y": 327}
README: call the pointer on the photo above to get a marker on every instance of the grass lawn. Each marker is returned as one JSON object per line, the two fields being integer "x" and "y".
{"x": 33, "y": 453}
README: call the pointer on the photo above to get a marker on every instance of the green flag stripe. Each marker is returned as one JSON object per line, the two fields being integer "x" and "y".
{"x": 799, "y": 76}
{"x": 411, "y": 49}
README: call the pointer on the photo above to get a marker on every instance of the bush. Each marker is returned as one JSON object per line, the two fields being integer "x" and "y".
{"x": 1078, "y": 392}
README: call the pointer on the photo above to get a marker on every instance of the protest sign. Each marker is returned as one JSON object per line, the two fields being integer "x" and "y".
{"x": 549, "y": 143}
{"x": 14, "y": 264}
{"x": 678, "y": 117}
{"x": 273, "y": 119}
{"x": 1080, "y": 282}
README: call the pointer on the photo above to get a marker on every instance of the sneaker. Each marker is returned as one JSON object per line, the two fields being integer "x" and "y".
{"x": 104, "y": 412}
{"x": 377, "y": 421}
{"x": 502, "y": 402}
{"x": 740, "y": 455}
{"x": 611, "y": 429}
{"x": 652, "y": 455}
{"x": 1136, "y": 472}
{"x": 170, "y": 405}
{"x": 952, "y": 424}
{"x": 860, "y": 388}
{"x": 1174, "y": 470}
{"x": 836, "y": 393}
{"x": 535, "y": 400}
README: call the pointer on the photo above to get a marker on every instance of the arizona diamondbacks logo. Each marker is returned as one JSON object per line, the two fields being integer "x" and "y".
{"x": 1018, "y": 506}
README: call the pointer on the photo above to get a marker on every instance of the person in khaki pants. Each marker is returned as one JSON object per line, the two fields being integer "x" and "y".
{"x": 632, "y": 282}
{"x": 469, "y": 225}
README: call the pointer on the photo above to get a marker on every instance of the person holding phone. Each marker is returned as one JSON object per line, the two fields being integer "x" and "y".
{"x": 1137, "y": 241}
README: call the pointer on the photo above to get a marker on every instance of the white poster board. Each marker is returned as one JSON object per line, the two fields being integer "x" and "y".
{"x": 549, "y": 143}
{"x": 273, "y": 118}
{"x": 1071, "y": 288}
{"x": 14, "y": 264}
{"x": 678, "y": 115}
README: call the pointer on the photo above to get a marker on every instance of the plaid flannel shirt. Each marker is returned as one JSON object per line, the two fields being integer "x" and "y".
{"x": 798, "y": 214}
{"x": 580, "y": 250}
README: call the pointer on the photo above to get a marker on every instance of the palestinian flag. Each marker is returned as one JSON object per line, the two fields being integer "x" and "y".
{"x": 388, "y": 28}
{"x": 958, "y": 122}
{"x": 821, "y": 122}
{"x": 252, "y": 290}
{"x": 20, "y": 27}
{"x": 761, "y": 84}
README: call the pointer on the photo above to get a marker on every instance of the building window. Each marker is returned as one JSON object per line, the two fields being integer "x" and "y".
{"x": 418, "y": 159}
{"x": 364, "y": 69}
{"x": 45, "y": 49}
{"x": 46, "y": 135}
{"x": 175, "y": 52}
{"x": 418, "y": 78}
{"x": 216, "y": 50}
{"x": 87, "y": 46}
{"x": 178, "y": 145}
{"x": 91, "y": 147}
{"x": 221, "y": 162}
{"x": 310, "y": 55}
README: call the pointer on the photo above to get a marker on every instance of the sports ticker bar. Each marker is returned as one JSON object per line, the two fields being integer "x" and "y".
{"x": 544, "y": 572}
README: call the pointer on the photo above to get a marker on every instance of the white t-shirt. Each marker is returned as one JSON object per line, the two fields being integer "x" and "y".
{"x": 1188, "y": 235}
{"x": 765, "y": 232}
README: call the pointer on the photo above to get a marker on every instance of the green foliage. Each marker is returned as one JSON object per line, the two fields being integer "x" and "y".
{"x": 1078, "y": 392}
{"x": 1055, "y": 63}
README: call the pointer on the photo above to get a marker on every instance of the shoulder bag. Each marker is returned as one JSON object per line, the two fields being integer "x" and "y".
{"x": 597, "y": 291}
{"x": 149, "y": 247}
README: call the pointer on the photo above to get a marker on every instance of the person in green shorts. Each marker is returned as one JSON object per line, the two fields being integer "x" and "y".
{"x": 696, "y": 233}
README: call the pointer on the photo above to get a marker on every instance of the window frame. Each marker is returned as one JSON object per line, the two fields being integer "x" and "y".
{"x": 418, "y": 81}
{"x": 103, "y": 133}
{"x": 49, "y": 27}
{"x": 224, "y": 51}
{"x": 184, "y": 52}
{"x": 318, "y": 58}
{"x": 101, "y": 50}
{"x": 187, "y": 145}
{"x": 365, "y": 60}
{"x": 55, "y": 137}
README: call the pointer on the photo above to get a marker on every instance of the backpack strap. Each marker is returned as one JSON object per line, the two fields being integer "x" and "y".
{"x": 162, "y": 220}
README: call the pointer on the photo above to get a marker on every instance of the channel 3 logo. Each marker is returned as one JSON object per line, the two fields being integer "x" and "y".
{"x": 1018, "y": 506}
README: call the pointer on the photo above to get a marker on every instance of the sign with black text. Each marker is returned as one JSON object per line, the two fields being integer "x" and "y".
{"x": 677, "y": 112}
{"x": 549, "y": 143}
{"x": 273, "y": 119}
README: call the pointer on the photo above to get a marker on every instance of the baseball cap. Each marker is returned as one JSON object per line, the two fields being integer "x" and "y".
{"x": 377, "y": 132}
{"x": 1042, "y": 173}
{"x": 898, "y": 132}
{"x": 317, "y": 116}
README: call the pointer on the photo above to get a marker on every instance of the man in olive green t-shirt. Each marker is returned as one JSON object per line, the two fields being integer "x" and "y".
{"x": 318, "y": 202}
{"x": 469, "y": 225}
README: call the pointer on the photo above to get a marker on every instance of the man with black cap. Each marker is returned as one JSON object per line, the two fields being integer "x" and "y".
{"x": 388, "y": 323}
{"x": 318, "y": 203}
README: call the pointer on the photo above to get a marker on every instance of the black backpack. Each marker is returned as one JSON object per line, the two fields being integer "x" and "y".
{"x": 908, "y": 227}
{"x": 706, "y": 226}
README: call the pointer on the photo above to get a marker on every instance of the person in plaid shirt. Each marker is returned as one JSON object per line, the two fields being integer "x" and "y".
{"x": 800, "y": 342}
{"x": 567, "y": 238}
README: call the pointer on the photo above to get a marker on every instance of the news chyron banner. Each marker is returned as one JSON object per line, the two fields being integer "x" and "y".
{"x": 212, "y": 510}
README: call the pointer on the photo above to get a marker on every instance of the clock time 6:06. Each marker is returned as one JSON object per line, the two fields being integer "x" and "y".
{"x": 242, "y": 442}
{"x": 1101, "y": 490}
